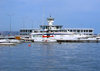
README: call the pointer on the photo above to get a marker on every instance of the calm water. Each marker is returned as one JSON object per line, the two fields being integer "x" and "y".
{"x": 50, "y": 57}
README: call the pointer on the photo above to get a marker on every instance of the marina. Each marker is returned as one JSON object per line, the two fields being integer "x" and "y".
{"x": 49, "y": 35}
{"x": 55, "y": 33}
{"x": 52, "y": 33}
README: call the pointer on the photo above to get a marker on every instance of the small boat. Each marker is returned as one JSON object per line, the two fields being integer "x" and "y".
{"x": 12, "y": 39}
{"x": 8, "y": 41}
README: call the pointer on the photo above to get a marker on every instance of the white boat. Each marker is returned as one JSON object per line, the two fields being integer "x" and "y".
{"x": 52, "y": 33}
{"x": 8, "y": 40}
{"x": 12, "y": 39}
{"x": 3, "y": 41}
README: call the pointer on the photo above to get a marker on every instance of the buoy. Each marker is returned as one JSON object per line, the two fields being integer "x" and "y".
{"x": 29, "y": 45}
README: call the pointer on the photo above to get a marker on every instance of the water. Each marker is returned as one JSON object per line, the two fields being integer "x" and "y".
{"x": 50, "y": 57}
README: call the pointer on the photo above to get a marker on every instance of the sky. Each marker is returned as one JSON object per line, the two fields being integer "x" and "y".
{"x": 32, "y": 13}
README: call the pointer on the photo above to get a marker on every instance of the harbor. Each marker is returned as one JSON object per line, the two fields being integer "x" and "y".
{"x": 51, "y": 33}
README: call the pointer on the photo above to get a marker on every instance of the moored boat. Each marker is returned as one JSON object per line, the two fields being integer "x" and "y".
{"x": 54, "y": 33}
{"x": 9, "y": 40}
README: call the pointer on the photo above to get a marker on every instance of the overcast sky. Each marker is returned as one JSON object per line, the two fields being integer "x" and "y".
{"x": 32, "y": 13}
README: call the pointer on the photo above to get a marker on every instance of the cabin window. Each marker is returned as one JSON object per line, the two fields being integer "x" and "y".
{"x": 70, "y": 30}
{"x": 30, "y": 30}
{"x": 46, "y": 27}
{"x": 90, "y": 30}
{"x": 20, "y": 30}
{"x": 86, "y": 30}
{"x": 57, "y": 27}
{"x": 90, "y": 34}
{"x": 55, "y": 31}
{"x": 81, "y": 30}
{"x": 78, "y": 30}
